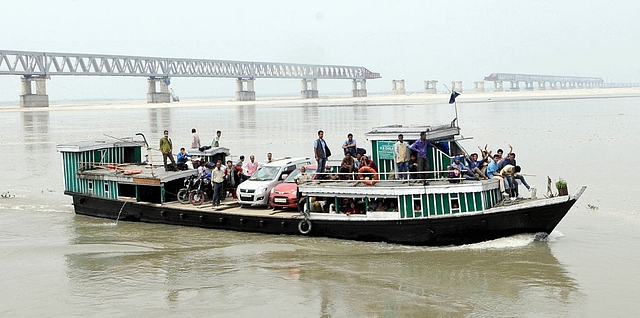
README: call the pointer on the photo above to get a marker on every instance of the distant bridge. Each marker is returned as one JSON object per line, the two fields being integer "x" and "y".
{"x": 39, "y": 66}
{"x": 555, "y": 82}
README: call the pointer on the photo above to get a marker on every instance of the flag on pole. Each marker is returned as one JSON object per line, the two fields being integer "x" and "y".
{"x": 452, "y": 99}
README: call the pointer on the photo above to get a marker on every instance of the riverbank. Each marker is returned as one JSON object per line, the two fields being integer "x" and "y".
{"x": 372, "y": 99}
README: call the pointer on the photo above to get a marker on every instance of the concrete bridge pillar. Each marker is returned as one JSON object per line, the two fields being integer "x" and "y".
{"x": 580, "y": 84}
{"x": 430, "y": 87}
{"x": 563, "y": 85}
{"x": 478, "y": 87}
{"x": 515, "y": 86}
{"x": 309, "y": 93}
{"x": 28, "y": 98}
{"x": 362, "y": 91}
{"x": 542, "y": 85}
{"x": 498, "y": 86}
{"x": 456, "y": 86}
{"x": 528, "y": 86}
{"x": 245, "y": 95}
{"x": 397, "y": 87}
{"x": 553, "y": 85}
{"x": 154, "y": 95}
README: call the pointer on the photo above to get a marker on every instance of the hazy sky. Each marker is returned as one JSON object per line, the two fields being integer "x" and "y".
{"x": 411, "y": 40}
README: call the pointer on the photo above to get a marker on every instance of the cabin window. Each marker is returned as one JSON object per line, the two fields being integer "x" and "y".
{"x": 106, "y": 188}
{"x": 417, "y": 205}
{"x": 455, "y": 205}
{"x": 90, "y": 186}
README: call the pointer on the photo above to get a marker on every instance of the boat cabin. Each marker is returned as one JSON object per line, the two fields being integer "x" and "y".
{"x": 115, "y": 169}
{"x": 437, "y": 195}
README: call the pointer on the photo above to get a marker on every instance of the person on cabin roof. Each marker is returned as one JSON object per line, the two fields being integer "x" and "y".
{"x": 349, "y": 145}
{"x": 458, "y": 169}
{"x": 195, "y": 139}
{"x": 166, "y": 147}
{"x": 401, "y": 154}
{"x": 269, "y": 157}
{"x": 215, "y": 142}
{"x": 420, "y": 146}
{"x": 183, "y": 157}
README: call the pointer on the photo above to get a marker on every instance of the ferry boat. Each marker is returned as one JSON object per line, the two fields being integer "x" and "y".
{"x": 108, "y": 179}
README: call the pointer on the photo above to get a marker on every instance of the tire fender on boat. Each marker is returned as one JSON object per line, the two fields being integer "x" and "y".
{"x": 302, "y": 224}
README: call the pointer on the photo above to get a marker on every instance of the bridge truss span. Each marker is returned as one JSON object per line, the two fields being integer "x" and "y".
{"x": 46, "y": 64}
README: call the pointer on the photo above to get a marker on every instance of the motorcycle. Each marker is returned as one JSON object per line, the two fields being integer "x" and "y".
{"x": 189, "y": 185}
{"x": 201, "y": 190}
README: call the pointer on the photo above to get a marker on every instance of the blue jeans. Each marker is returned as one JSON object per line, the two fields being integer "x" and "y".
{"x": 521, "y": 178}
{"x": 402, "y": 167}
{"x": 321, "y": 163}
{"x": 217, "y": 191}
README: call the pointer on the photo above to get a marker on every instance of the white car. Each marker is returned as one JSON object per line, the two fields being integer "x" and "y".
{"x": 256, "y": 190}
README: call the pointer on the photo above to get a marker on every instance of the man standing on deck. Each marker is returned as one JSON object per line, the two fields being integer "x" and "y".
{"x": 321, "y": 152}
{"x": 217, "y": 178}
{"x": 166, "y": 147}
{"x": 420, "y": 146}
{"x": 195, "y": 139}
{"x": 401, "y": 153}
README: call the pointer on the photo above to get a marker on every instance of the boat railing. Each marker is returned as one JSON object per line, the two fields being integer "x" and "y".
{"x": 371, "y": 177}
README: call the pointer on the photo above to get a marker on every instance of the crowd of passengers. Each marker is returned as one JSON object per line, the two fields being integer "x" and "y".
{"x": 223, "y": 177}
{"x": 412, "y": 163}
{"x": 349, "y": 206}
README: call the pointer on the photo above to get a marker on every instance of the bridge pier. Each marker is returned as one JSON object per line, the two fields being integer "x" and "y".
{"x": 528, "y": 86}
{"x": 362, "y": 91}
{"x": 309, "y": 93}
{"x": 553, "y": 85}
{"x": 241, "y": 93}
{"x": 153, "y": 95}
{"x": 397, "y": 87}
{"x": 430, "y": 87}
{"x": 28, "y": 98}
{"x": 542, "y": 85}
{"x": 478, "y": 87}
{"x": 456, "y": 86}
{"x": 515, "y": 86}
{"x": 498, "y": 86}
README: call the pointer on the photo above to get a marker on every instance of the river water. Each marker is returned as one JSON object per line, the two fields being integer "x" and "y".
{"x": 55, "y": 263}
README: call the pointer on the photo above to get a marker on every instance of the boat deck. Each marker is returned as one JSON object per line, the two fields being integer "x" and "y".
{"x": 227, "y": 206}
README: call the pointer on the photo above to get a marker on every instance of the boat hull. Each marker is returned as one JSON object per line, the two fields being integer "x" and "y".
{"x": 454, "y": 230}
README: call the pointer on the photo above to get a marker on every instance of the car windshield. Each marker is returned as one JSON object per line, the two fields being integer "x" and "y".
{"x": 265, "y": 173}
{"x": 292, "y": 176}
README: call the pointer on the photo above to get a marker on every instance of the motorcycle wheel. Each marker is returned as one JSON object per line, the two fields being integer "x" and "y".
{"x": 197, "y": 197}
{"x": 183, "y": 196}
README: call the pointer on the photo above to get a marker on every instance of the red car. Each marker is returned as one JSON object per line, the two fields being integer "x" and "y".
{"x": 284, "y": 194}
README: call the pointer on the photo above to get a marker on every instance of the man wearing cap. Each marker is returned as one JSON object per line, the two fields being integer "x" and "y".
{"x": 457, "y": 169}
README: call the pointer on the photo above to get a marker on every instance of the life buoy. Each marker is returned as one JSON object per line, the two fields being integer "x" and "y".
{"x": 304, "y": 226}
{"x": 114, "y": 167}
{"x": 130, "y": 172}
{"x": 366, "y": 180}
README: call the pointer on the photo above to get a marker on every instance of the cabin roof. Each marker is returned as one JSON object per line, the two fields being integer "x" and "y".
{"x": 412, "y": 132}
{"x": 89, "y": 145}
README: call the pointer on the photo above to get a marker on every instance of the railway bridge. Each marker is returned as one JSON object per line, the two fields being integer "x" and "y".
{"x": 554, "y": 82}
{"x": 35, "y": 68}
